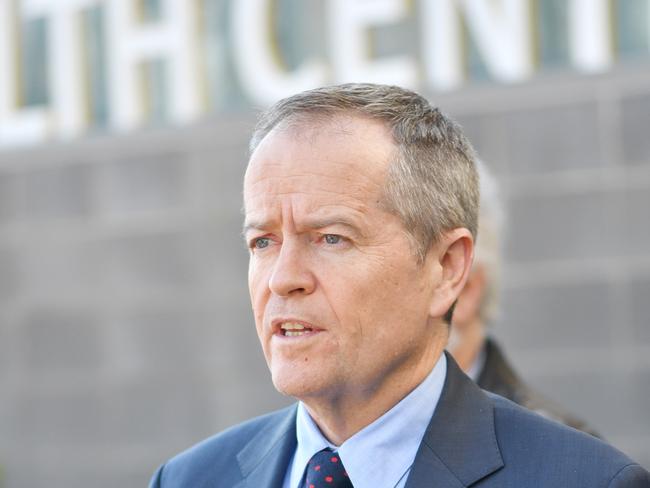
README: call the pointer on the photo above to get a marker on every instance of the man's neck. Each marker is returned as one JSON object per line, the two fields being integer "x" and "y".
{"x": 340, "y": 417}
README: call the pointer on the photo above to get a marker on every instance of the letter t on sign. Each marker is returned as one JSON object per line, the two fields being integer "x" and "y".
{"x": 174, "y": 40}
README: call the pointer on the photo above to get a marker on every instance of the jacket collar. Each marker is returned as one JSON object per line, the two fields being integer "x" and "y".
{"x": 460, "y": 445}
{"x": 264, "y": 460}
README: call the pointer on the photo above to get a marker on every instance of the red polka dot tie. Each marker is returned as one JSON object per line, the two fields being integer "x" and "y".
{"x": 325, "y": 470}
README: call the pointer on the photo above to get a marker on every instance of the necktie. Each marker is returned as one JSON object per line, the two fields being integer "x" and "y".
{"x": 325, "y": 470}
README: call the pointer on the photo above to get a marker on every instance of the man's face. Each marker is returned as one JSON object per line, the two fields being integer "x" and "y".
{"x": 341, "y": 303}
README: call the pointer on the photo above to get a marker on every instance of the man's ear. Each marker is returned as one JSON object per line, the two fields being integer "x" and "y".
{"x": 454, "y": 253}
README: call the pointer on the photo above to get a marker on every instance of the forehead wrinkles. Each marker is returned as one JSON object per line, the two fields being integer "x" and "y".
{"x": 315, "y": 182}
{"x": 300, "y": 205}
{"x": 354, "y": 165}
{"x": 304, "y": 195}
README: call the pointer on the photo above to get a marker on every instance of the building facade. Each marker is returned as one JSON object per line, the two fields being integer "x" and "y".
{"x": 125, "y": 330}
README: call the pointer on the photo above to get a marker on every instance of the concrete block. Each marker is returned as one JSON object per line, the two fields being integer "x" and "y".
{"x": 487, "y": 134}
{"x": 170, "y": 259}
{"x": 226, "y": 259}
{"x": 553, "y": 138}
{"x": 177, "y": 338}
{"x": 637, "y": 218}
{"x": 10, "y": 279}
{"x": 52, "y": 269}
{"x": 637, "y": 308}
{"x": 36, "y": 478}
{"x": 106, "y": 479}
{"x": 61, "y": 340}
{"x": 559, "y": 315}
{"x": 174, "y": 409}
{"x": 169, "y": 410}
{"x": 140, "y": 185}
{"x": 598, "y": 398}
{"x": 635, "y": 121}
{"x": 52, "y": 416}
{"x": 566, "y": 226}
{"x": 52, "y": 192}
{"x": 221, "y": 176}
{"x": 28, "y": 478}
{"x": 7, "y": 197}
{"x": 249, "y": 395}
{"x": 7, "y": 345}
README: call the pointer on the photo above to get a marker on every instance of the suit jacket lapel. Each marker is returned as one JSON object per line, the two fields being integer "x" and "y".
{"x": 264, "y": 460}
{"x": 460, "y": 445}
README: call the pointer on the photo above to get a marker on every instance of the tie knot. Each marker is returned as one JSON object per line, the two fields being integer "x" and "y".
{"x": 325, "y": 470}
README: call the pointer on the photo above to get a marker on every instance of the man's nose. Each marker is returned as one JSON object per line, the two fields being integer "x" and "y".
{"x": 291, "y": 272}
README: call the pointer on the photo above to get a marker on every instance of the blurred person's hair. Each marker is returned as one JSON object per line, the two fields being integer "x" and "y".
{"x": 487, "y": 252}
{"x": 432, "y": 186}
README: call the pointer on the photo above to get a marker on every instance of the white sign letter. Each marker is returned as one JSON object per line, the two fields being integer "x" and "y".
{"x": 172, "y": 40}
{"x": 590, "y": 34}
{"x": 501, "y": 29}
{"x": 348, "y": 37}
{"x": 259, "y": 71}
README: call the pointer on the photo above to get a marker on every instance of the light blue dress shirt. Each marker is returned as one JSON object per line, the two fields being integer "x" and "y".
{"x": 381, "y": 454}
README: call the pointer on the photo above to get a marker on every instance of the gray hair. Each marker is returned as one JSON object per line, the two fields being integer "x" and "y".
{"x": 432, "y": 186}
{"x": 487, "y": 252}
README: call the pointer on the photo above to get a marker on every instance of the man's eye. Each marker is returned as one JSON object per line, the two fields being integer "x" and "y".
{"x": 332, "y": 238}
{"x": 261, "y": 243}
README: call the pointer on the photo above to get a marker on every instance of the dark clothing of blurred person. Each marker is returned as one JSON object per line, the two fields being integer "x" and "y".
{"x": 498, "y": 376}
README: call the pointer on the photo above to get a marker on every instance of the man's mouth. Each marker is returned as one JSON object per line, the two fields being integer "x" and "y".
{"x": 293, "y": 329}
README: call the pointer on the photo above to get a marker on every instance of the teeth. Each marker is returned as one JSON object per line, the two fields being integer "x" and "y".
{"x": 293, "y": 329}
{"x": 292, "y": 326}
{"x": 294, "y": 333}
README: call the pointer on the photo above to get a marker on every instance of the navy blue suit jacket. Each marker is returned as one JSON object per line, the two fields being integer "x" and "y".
{"x": 474, "y": 439}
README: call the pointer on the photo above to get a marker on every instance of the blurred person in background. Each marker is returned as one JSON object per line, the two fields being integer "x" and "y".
{"x": 351, "y": 279}
{"x": 476, "y": 352}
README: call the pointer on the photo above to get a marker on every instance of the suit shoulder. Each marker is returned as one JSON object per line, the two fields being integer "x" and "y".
{"x": 216, "y": 454}
{"x": 233, "y": 439}
{"x": 631, "y": 476}
{"x": 527, "y": 438}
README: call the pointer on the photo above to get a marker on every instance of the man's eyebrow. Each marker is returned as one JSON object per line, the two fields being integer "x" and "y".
{"x": 323, "y": 222}
{"x": 254, "y": 225}
{"x": 320, "y": 222}
{"x": 311, "y": 223}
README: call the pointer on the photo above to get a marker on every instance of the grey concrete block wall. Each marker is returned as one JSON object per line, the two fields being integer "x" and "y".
{"x": 125, "y": 329}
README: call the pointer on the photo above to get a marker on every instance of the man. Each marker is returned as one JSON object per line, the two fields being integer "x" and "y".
{"x": 477, "y": 354}
{"x": 361, "y": 209}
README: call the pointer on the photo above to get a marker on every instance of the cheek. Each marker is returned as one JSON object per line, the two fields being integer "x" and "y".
{"x": 258, "y": 291}
{"x": 377, "y": 285}
{"x": 387, "y": 295}
{"x": 257, "y": 278}
{"x": 358, "y": 298}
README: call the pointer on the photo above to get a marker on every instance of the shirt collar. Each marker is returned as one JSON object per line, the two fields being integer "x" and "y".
{"x": 381, "y": 453}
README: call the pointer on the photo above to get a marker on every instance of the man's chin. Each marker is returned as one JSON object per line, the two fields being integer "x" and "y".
{"x": 296, "y": 383}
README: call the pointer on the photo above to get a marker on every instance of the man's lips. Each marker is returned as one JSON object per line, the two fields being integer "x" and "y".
{"x": 293, "y": 328}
